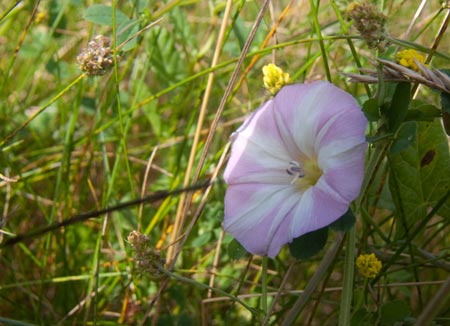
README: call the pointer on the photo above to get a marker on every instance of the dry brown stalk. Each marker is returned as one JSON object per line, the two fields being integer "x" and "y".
{"x": 395, "y": 72}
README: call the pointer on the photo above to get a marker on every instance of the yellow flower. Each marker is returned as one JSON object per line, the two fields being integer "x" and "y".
{"x": 368, "y": 265}
{"x": 406, "y": 58}
{"x": 274, "y": 78}
{"x": 40, "y": 17}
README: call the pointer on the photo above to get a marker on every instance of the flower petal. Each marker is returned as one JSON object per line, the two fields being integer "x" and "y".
{"x": 315, "y": 211}
{"x": 302, "y": 110}
{"x": 344, "y": 173}
{"x": 256, "y": 216}
{"x": 258, "y": 153}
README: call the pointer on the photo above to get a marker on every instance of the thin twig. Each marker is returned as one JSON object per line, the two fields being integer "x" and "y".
{"x": 145, "y": 185}
{"x": 435, "y": 304}
{"x": 314, "y": 281}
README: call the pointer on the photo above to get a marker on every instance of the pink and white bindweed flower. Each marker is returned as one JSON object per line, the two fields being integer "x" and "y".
{"x": 295, "y": 166}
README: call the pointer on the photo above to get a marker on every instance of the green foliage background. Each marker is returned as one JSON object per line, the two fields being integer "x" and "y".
{"x": 70, "y": 143}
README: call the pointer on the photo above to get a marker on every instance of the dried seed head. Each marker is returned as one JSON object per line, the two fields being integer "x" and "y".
{"x": 147, "y": 259}
{"x": 370, "y": 23}
{"x": 97, "y": 57}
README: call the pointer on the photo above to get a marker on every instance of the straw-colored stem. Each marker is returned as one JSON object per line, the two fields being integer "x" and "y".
{"x": 181, "y": 212}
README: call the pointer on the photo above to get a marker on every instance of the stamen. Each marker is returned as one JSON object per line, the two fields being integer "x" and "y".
{"x": 295, "y": 170}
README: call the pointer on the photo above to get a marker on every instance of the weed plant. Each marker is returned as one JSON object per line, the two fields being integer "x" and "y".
{"x": 177, "y": 78}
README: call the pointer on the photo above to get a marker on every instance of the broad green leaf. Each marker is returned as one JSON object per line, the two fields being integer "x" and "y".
{"x": 363, "y": 317}
{"x": 202, "y": 239}
{"x": 434, "y": 164}
{"x": 445, "y": 105}
{"x": 393, "y": 312}
{"x": 418, "y": 172}
{"x": 420, "y": 111}
{"x": 405, "y": 138}
{"x": 445, "y": 102}
{"x": 235, "y": 250}
{"x": 309, "y": 244}
{"x": 405, "y": 181}
{"x": 345, "y": 222}
{"x": 371, "y": 109}
{"x": 399, "y": 106}
{"x": 102, "y": 14}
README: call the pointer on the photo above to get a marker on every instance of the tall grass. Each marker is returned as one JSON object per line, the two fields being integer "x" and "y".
{"x": 160, "y": 120}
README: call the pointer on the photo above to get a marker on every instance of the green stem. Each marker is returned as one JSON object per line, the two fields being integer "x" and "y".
{"x": 360, "y": 297}
{"x": 204, "y": 286}
{"x": 264, "y": 286}
{"x": 320, "y": 36}
{"x": 41, "y": 109}
{"x": 347, "y": 291}
{"x": 314, "y": 281}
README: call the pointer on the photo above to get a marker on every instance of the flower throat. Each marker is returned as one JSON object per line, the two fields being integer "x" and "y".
{"x": 304, "y": 175}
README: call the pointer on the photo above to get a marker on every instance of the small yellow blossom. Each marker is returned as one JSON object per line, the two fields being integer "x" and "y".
{"x": 40, "y": 17}
{"x": 274, "y": 78}
{"x": 406, "y": 58}
{"x": 368, "y": 265}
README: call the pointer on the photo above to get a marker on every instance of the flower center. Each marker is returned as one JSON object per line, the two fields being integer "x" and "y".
{"x": 304, "y": 175}
{"x": 295, "y": 169}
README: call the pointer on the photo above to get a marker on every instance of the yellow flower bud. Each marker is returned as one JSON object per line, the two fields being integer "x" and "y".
{"x": 368, "y": 265}
{"x": 274, "y": 78}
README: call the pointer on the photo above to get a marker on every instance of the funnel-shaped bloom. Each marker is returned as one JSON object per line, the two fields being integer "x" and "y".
{"x": 296, "y": 164}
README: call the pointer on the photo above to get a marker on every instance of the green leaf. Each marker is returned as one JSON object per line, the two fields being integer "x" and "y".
{"x": 182, "y": 31}
{"x": 404, "y": 181}
{"x": 345, "y": 222}
{"x": 445, "y": 105}
{"x": 405, "y": 138}
{"x": 202, "y": 239}
{"x": 309, "y": 244}
{"x": 102, "y": 14}
{"x": 125, "y": 31}
{"x": 235, "y": 250}
{"x": 371, "y": 109}
{"x": 420, "y": 111}
{"x": 434, "y": 160}
{"x": 394, "y": 311}
{"x": 379, "y": 137}
{"x": 166, "y": 61}
{"x": 418, "y": 172}
{"x": 399, "y": 106}
{"x": 445, "y": 102}
{"x": 363, "y": 317}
